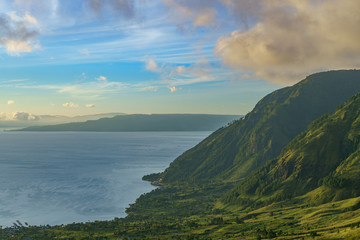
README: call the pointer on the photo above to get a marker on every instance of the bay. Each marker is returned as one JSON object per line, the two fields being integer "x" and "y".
{"x": 63, "y": 177}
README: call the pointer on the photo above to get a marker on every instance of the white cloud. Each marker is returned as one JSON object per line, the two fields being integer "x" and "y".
{"x": 26, "y": 18}
{"x": 30, "y": 18}
{"x": 295, "y": 38}
{"x": 18, "y": 34}
{"x": 90, "y": 105}
{"x": 23, "y": 116}
{"x": 101, "y": 78}
{"x": 201, "y": 71}
{"x": 151, "y": 65}
{"x": 70, "y": 105}
{"x": 15, "y": 47}
{"x": 173, "y": 89}
{"x": 180, "y": 69}
{"x": 18, "y": 116}
{"x": 11, "y": 102}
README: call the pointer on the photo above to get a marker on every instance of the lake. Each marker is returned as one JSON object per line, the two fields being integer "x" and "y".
{"x": 63, "y": 177}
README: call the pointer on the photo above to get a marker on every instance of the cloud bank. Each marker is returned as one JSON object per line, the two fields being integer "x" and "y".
{"x": 295, "y": 38}
{"x": 280, "y": 41}
{"x": 19, "y": 116}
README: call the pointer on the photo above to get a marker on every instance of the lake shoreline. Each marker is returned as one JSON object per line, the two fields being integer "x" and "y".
{"x": 81, "y": 177}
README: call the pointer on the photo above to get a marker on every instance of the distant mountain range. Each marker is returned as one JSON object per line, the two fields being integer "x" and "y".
{"x": 143, "y": 122}
{"x": 23, "y": 119}
{"x": 65, "y": 119}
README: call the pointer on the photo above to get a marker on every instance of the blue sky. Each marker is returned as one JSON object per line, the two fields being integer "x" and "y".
{"x": 164, "y": 56}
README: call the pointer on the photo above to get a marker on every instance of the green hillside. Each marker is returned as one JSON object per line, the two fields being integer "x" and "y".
{"x": 326, "y": 157}
{"x": 233, "y": 152}
{"x": 143, "y": 122}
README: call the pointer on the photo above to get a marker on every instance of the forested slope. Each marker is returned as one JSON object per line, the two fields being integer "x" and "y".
{"x": 233, "y": 152}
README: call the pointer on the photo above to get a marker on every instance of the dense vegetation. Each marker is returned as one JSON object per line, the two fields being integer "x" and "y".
{"x": 325, "y": 158}
{"x": 308, "y": 190}
{"x": 233, "y": 152}
{"x": 143, "y": 122}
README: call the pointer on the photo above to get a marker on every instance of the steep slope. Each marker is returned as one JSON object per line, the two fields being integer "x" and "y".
{"x": 233, "y": 152}
{"x": 142, "y": 122}
{"x": 325, "y": 158}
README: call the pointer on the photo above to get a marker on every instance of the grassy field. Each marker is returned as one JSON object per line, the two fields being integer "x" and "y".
{"x": 194, "y": 213}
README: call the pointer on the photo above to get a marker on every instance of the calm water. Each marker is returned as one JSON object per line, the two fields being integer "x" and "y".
{"x": 64, "y": 177}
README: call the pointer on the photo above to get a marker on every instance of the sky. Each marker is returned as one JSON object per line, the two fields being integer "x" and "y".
{"x": 78, "y": 57}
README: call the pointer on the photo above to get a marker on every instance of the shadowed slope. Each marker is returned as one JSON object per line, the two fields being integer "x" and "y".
{"x": 326, "y": 156}
{"x": 233, "y": 152}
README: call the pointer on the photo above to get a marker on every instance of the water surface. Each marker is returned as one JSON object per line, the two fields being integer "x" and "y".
{"x": 63, "y": 177}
